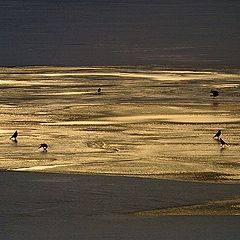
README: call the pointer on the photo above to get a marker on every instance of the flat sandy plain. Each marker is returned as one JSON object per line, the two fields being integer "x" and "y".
{"x": 148, "y": 122}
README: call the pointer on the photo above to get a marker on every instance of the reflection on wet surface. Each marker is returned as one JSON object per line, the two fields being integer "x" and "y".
{"x": 146, "y": 122}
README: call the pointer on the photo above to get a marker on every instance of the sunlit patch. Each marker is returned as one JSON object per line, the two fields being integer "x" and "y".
{"x": 5, "y": 131}
{"x": 174, "y": 118}
{"x": 38, "y": 168}
{"x": 154, "y": 75}
{"x": 178, "y": 118}
{"x": 69, "y": 93}
{"x": 24, "y": 83}
{"x": 228, "y": 85}
{"x": 72, "y": 123}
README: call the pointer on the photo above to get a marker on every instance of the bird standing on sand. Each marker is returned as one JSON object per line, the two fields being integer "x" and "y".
{"x": 99, "y": 90}
{"x": 14, "y": 136}
{"x": 44, "y": 146}
{"x": 214, "y": 93}
{"x": 223, "y": 143}
{"x": 217, "y": 135}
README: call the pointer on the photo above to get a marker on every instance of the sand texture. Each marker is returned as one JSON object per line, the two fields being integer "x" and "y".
{"x": 147, "y": 121}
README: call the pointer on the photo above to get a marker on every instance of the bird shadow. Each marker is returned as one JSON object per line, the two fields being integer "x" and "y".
{"x": 14, "y": 141}
{"x": 222, "y": 150}
{"x": 43, "y": 152}
{"x": 215, "y": 102}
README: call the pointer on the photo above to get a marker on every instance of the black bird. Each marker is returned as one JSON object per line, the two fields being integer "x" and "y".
{"x": 14, "y": 136}
{"x": 44, "y": 146}
{"x": 223, "y": 143}
{"x": 217, "y": 135}
{"x": 214, "y": 93}
{"x": 99, "y": 90}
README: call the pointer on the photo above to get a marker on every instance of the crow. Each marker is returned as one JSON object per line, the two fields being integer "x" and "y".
{"x": 14, "y": 136}
{"x": 214, "y": 93}
{"x": 217, "y": 135}
{"x": 44, "y": 146}
{"x": 223, "y": 143}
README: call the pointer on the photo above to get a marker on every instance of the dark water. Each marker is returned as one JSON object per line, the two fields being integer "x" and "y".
{"x": 146, "y": 121}
{"x": 166, "y": 32}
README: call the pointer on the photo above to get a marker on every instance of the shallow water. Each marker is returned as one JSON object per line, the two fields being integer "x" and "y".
{"x": 147, "y": 122}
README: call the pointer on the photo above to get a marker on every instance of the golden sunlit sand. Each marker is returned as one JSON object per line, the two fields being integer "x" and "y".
{"x": 147, "y": 122}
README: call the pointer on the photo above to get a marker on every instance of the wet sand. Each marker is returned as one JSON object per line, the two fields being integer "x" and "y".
{"x": 69, "y": 206}
{"x": 147, "y": 122}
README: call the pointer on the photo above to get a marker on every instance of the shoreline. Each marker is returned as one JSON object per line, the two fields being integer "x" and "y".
{"x": 166, "y": 176}
{"x": 187, "y": 67}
